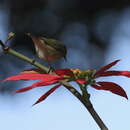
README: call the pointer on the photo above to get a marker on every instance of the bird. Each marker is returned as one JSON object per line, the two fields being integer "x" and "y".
{"x": 48, "y": 49}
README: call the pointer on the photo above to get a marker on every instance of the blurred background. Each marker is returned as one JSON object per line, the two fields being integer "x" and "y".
{"x": 95, "y": 32}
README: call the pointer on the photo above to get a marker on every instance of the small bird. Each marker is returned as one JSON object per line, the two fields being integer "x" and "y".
{"x": 49, "y": 50}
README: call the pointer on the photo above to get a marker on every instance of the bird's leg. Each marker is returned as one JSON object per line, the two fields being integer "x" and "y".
{"x": 51, "y": 69}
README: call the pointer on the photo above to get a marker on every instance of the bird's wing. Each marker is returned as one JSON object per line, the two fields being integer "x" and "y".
{"x": 57, "y": 45}
{"x": 40, "y": 46}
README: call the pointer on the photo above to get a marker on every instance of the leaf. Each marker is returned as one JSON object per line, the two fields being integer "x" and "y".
{"x": 43, "y": 97}
{"x": 28, "y": 76}
{"x": 37, "y": 84}
{"x": 116, "y": 73}
{"x": 104, "y": 68}
{"x": 110, "y": 86}
{"x": 63, "y": 72}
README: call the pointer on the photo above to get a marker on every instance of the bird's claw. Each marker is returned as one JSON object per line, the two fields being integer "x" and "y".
{"x": 51, "y": 69}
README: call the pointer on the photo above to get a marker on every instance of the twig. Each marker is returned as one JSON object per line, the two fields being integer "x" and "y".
{"x": 94, "y": 114}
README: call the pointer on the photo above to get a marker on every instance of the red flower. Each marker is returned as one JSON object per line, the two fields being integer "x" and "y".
{"x": 91, "y": 75}
{"x": 86, "y": 77}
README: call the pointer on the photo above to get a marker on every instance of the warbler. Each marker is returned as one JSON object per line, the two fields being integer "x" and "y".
{"x": 47, "y": 49}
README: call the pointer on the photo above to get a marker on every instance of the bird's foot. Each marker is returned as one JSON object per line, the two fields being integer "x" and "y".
{"x": 51, "y": 69}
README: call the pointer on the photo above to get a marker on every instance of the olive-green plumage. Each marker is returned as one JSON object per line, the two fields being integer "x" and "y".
{"x": 49, "y": 49}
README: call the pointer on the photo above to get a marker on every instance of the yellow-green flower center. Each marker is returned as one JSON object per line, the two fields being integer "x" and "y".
{"x": 86, "y": 75}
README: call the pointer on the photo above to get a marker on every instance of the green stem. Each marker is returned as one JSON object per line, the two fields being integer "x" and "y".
{"x": 87, "y": 103}
{"x": 94, "y": 114}
{"x": 85, "y": 94}
{"x": 84, "y": 99}
{"x": 25, "y": 58}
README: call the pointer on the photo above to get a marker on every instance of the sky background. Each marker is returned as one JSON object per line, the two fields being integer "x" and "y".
{"x": 62, "y": 110}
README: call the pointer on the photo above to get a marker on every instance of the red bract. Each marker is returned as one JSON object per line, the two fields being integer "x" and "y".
{"x": 63, "y": 72}
{"x": 106, "y": 67}
{"x": 30, "y": 76}
{"x": 86, "y": 77}
{"x": 33, "y": 71}
{"x": 115, "y": 73}
{"x": 38, "y": 84}
{"x": 45, "y": 79}
{"x": 43, "y": 97}
{"x": 81, "y": 81}
{"x": 110, "y": 86}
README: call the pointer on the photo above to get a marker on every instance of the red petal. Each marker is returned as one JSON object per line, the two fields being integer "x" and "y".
{"x": 43, "y": 97}
{"x": 110, "y": 86}
{"x": 63, "y": 72}
{"x": 104, "y": 68}
{"x": 37, "y": 84}
{"x": 32, "y": 77}
{"x": 81, "y": 81}
{"x": 115, "y": 73}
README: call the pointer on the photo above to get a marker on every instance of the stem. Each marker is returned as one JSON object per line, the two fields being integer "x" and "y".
{"x": 27, "y": 59}
{"x": 87, "y": 103}
{"x": 84, "y": 99}
{"x": 94, "y": 114}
